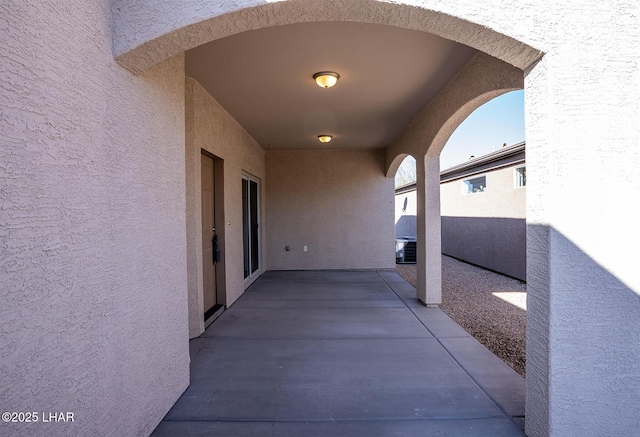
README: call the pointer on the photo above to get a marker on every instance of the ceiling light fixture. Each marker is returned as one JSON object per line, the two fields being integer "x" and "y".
{"x": 325, "y": 138}
{"x": 326, "y": 79}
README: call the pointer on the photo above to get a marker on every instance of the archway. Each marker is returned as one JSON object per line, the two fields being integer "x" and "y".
{"x": 507, "y": 59}
{"x": 483, "y": 219}
{"x": 186, "y": 25}
{"x": 126, "y": 132}
{"x": 405, "y": 216}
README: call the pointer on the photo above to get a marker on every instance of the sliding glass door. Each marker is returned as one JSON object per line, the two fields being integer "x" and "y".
{"x": 251, "y": 224}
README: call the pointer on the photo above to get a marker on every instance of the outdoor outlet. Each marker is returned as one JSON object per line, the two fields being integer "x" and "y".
{"x": 304, "y": 248}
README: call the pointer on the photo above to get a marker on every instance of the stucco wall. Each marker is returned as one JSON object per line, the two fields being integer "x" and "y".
{"x": 337, "y": 203}
{"x": 501, "y": 198}
{"x": 210, "y": 127}
{"x": 486, "y": 228}
{"x": 405, "y": 216}
{"x": 583, "y": 306}
{"x": 92, "y": 218}
{"x": 174, "y": 25}
{"x": 495, "y": 243}
{"x": 78, "y": 130}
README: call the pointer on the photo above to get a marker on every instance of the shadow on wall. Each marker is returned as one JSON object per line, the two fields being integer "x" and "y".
{"x": 592, "y": 321}
{"x": 498, "y": 244}
{"x": 406, "y": 226}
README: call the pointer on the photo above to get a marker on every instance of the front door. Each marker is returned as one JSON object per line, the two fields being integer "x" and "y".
{"x": 208, "y": 232}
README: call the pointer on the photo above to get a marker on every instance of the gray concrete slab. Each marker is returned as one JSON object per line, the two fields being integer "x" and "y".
{"x": 499, "y": 380}
{"x": 390, "y": 276}
{"x": 308, "y": 276}
{"x": 389, "y": 379}
{"x": 494, "y": 427}
{"x": 442, "y": 328}
{"x": 320, "y": 303}
{"x": 343, "y": 322}
{"x": 329, "y": 291}
{"x": 437, "y": 322}
{"x": 519, "y": 421}
{"x": 496, "y": 378}
{"x": 341, "y": 354}
{"x": 405, "y": 292}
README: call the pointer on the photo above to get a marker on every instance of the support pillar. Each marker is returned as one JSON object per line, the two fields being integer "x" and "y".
{"x": 429, "y": 256}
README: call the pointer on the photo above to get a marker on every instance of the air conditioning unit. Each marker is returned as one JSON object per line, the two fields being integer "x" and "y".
{"x": 406, "y": 250}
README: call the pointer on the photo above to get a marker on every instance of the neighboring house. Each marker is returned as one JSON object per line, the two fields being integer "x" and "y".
{"x": 483, "y": 208}
{"x": 406, "y": 214}
{"x": 126, "y": 138}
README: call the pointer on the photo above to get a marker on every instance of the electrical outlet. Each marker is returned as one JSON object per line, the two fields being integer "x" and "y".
{"x": 304, "y": 248}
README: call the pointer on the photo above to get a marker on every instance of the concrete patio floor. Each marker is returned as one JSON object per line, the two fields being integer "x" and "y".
{"x": 342, "y": 353}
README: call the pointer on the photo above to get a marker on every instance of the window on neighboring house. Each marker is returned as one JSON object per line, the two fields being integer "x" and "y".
{"x": 475, "y": 185}
{"x": 521, "y": 176}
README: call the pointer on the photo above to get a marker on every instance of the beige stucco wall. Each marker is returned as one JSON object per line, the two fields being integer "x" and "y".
{"x": 210, "y": 127}
{"x": 92, "y": 216}
{"x": 337, "y": 203}
{"x": 183, "y": 24}
{"x": 92, "y": 249}
{"x": 405, "y": 220}
{"x": 486, "y": 228}
{"x": 501, "y": 198}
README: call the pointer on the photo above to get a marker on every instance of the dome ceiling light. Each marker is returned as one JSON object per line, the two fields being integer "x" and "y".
{"x": 326, "y": 79}
{"x": 325, "y": 138}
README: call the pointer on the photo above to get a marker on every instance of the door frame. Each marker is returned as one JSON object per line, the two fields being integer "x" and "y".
{"x": 254, "y": 275}
{"x": 219, "y": 224}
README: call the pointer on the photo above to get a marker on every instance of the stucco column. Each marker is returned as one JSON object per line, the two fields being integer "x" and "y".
{"x": 429, "y": 256}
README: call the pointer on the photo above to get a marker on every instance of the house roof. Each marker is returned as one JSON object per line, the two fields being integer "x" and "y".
{"x": 504, "y": 157}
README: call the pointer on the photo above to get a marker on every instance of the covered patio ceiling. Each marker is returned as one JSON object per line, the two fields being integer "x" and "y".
{"x": 264, "y": 79}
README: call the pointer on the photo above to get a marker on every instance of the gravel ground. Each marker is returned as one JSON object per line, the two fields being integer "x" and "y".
{"x": 470, "y": 297}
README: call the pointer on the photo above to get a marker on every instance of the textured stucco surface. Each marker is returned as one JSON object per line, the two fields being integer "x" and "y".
{"x": 93, "y": 190}
{"x": 495, "y": 243}
{"x": 210, "y": 127}
{"x": 147, "y": 31}
{"x": 92, "y": 219}
{"x": 499, "y": 199}
{"x": 428, "y": 225}
{"x": 583, "y": 310}
{"x": 406, "y": 211}
{"x": 337, "y": 203}
{"x": 487, "y": 228}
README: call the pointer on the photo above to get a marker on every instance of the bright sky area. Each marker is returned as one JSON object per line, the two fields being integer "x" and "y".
{"x": 498, "y": 121}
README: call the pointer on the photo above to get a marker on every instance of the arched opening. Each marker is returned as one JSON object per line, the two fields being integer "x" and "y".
{"x": 483, "y": 177}
{"x": 187, "y": 25}
{"x": 488, "y": 128}
{"x": 487, "y": 232}
{"x": 483, "y": 225}
{"x": 94, "y": 206}
{"x": 406, "y": 210}
{"x": 307, "y": 187}
{"x": 213, "y": 26}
